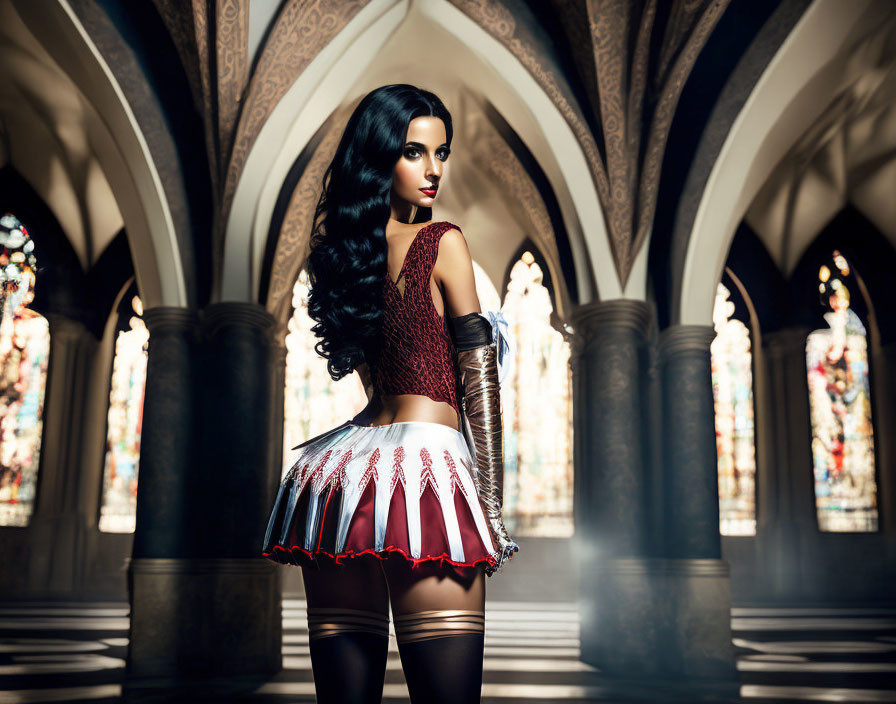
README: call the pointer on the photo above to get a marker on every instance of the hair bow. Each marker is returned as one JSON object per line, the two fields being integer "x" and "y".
{"x": 503, "y": 339}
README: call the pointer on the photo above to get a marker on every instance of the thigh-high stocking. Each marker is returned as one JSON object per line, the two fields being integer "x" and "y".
{"x": 440, "y": 627}
{"x": 348, "y": 631}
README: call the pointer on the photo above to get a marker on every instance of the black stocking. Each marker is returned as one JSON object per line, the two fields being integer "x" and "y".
{"x": 441, "y": 655}
{"x": 348, "y": 655}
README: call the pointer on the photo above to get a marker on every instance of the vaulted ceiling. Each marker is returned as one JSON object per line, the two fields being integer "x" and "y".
{"x": 612, "y": 72}
{"x": 50, "y": 134}
{"x": 847, "y": 156}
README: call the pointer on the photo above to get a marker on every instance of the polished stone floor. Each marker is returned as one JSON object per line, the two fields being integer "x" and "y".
{"x": 61, "y": 652}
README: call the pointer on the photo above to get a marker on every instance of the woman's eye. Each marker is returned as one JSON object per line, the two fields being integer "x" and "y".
{"x": 412, "y": 153}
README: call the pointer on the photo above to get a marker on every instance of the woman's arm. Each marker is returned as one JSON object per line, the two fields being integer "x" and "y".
{"x": 476, "y": 357}
{"x": 453, "y": 273}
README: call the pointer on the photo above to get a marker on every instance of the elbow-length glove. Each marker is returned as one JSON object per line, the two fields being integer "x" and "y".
{"x": 478, "y": 378}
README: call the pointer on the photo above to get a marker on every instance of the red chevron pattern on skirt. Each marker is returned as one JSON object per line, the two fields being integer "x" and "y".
{"x": 403, "y": 489}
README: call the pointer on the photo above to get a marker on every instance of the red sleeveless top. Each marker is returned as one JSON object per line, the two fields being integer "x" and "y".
{"x": 417, "y": 354}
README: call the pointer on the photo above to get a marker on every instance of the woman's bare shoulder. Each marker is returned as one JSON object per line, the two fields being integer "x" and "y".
{"x": 454, "y": 254}
{"x": 453, "y": 241}
{"x": 454, "y": 274}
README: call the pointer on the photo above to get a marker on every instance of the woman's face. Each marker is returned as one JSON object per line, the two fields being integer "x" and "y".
{"x": 421, "y": 167}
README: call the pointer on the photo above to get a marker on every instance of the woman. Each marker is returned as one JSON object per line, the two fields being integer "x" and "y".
{"x": 402, "y": 503}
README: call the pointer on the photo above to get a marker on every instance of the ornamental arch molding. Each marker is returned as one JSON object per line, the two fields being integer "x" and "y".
{"x": 356, "y": 61}
{"x": 120, "y": 147}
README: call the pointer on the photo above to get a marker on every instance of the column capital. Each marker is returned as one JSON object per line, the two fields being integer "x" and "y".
{"x": 161, "y": 320}
{"x": 685, "y": 338}
{"x": 624, "y": 316}
{"x": 617, "y": 312}
{"x": 218, "y": 315}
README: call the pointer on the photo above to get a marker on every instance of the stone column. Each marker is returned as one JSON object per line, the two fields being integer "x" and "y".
{"x": 656, "y": 613}
{"x": 608, "y": 363}
{"x": 205, "y": 607}
{"x": 787, "y": 522}
{"x": 693, "y": 579}
{"x": 242, "y": 387}
{"x": 58, "y": 527}
{"x": 883, "y": 396}
{"x": 884, "y": 399}
{"x": 168, "y": 478}
{"x": 289, "y": 578}
{"x": 277, "y": 399}
{"x": 238, "y": 402}
{"x": 160, "y": 570}
{"x": 691, "y": 485}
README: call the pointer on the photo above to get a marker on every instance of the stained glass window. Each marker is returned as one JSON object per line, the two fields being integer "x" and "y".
{"x": 24, "y": 351}
{"x": 124, "y": 422}
{"x": 537, "y": 411}
{"x": 840, "y": 405}
{"x": 313, "y": 402}
{"x": 732, "y": 387}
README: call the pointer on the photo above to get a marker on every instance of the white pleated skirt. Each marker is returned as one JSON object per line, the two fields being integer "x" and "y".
{"x": 405, "y": 489}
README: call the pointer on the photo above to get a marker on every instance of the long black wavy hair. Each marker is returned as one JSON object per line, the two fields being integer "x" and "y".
{"x": 347, "y": 264}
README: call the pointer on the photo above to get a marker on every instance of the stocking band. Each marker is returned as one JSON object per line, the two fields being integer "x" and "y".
{"x": 323, "y": 623}
{"x": 425, "y": 625}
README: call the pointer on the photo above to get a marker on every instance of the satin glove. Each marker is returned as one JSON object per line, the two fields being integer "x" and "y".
{"x": 481, "y": 405}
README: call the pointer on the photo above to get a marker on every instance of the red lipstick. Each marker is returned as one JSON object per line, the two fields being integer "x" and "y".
{"x": 431, "y": 192}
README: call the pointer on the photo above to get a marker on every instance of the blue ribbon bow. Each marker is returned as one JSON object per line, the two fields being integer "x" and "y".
{"x": 503, "y": 339}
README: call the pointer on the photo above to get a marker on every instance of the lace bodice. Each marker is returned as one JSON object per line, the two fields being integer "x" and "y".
{"x": 417, "y": 354}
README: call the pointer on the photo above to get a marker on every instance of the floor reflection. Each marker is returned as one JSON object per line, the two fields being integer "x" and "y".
{"x": 76, "y": 652}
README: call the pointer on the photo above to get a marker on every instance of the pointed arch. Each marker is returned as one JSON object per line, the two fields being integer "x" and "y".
{"x": 797, "y": 85}
{"x": 536, "y": 397}
{"x": 873, "y": 258}
{"x": 24, "y": 362}
{"x": 124, "y": 418}
{"x": 511, "y": 89}
{"x": 844, "y": 453}
{"x": 732, "y": 362}
{"x": 547, "y": 279}
{"x": 121, "y": 149}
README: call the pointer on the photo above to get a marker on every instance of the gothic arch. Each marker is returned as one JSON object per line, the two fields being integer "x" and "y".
{"x": 121, "y": 148}
{"x": 547, "y": 280}
{"x": 873, "y": 259}
{"x": 806, "y": 73}
{"x": 62, "y": 280}
{"x": 311, "y": 100}
{"x": 750, "y": 262}
{"x": 535, "y": 215}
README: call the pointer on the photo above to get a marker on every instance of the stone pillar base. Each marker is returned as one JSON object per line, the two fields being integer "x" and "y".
{"x": 662, "y": 620}
{"x": 197, "y": 619}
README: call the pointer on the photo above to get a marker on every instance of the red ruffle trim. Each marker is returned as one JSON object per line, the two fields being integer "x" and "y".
{"x": 306, "y": 557}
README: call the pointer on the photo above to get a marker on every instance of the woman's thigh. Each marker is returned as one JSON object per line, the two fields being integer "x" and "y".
{"x": 357, "y": 583}
{"x": 439, "y": 628}
{"x": 428, "y": 587}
